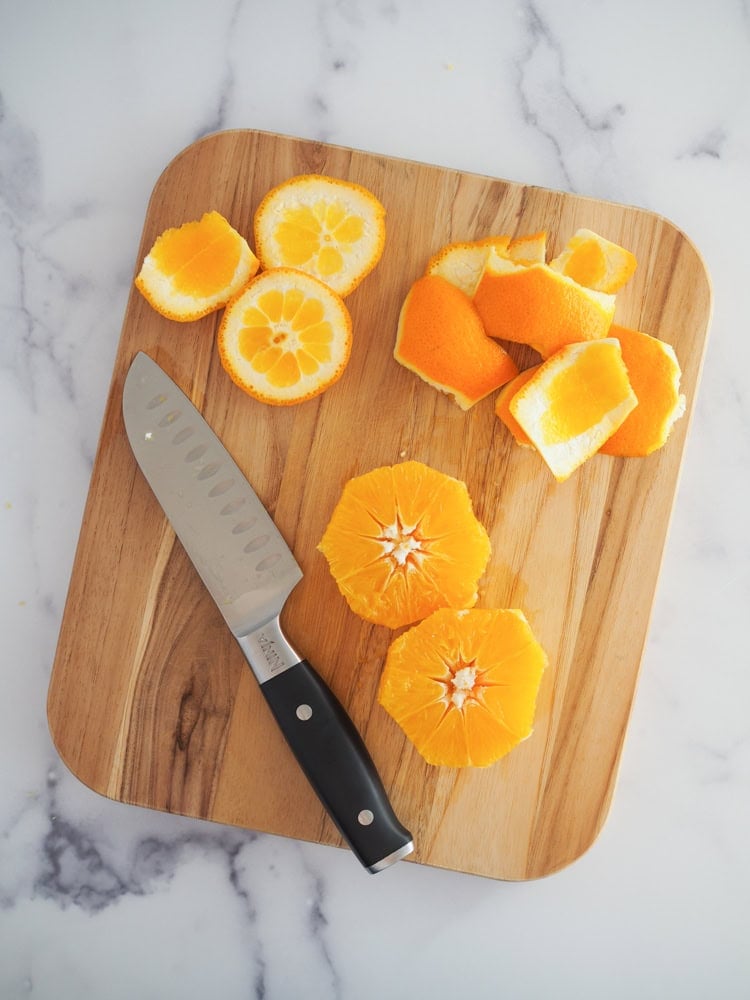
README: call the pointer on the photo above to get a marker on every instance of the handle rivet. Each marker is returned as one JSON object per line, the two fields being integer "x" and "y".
{"x": 303, "y": 713}
{"x": 365, "y": 817}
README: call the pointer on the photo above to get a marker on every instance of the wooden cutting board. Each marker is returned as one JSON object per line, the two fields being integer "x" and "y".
{"x": 150, "y": 701}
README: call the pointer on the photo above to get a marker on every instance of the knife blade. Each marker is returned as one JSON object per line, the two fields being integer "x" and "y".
{"x": 249, "y": 571}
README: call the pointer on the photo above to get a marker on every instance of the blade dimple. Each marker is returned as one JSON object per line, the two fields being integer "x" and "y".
{"x": 182, "y": 436}
{"x": 156, "y": 401}
{"x": 170, "y": 418}
{"x": 256, "y": 543}
{"x": 221, "y": 488}
{"x": 242, "y": 526}
{"x": 195, "y": 453}
{"x": 233, "y": 506}
{"x": 209, "y": 470}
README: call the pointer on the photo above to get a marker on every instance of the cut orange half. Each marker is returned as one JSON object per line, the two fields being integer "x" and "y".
{"x": 595, "y": 262}
{"x": 574, "y": 402}
{"x": 463, "y": 685}
{"x": 654, "y": 373}
{"x": 286, "y": 337}
{"x": 441, "y": 338}
{"x": 196, "y": 268}
{"x": 330, "y": 228}
{"x": 403, "y": 541}
{"x": 537, "y": 306}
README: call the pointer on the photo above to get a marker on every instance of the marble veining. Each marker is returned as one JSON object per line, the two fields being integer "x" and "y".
{"x": 647, "y": 105}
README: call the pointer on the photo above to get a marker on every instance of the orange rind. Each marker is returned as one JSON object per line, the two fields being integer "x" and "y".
{"x": 502, "y": 405}
{"x": 330, "y": 228}
{"x": 440, "y": 338}
{"x": 574, "y": 402}
{"x": 286, "y": 338}
{"x": 402, "y": 542}
{"x": 654, "y": 373}
{"x": 595, "y": 262}
{"x": 196, "y": 268}
{"x": 463, "y": 685}
{"x": 534, "y": 305}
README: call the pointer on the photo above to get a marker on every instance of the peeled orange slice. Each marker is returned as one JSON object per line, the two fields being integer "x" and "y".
{"x": 532, "y": 304}
{"x": 403, "y": 541}
{"x": 595, "y": 262}
{"x": 286, "y": 337}
{"x": 440, "y": 337}
{"x": 463, "y": 685}
{"x": 502, "y": 405}
{"x": 330, "y": 228}
{"x": 654, "y": 373}
{"x": 195, "y": 269}
{"x": 574, "y": 402}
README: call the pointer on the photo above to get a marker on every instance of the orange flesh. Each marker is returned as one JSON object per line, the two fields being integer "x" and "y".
{"x": 200, "y": 257}
{"x": 463, "y": 685}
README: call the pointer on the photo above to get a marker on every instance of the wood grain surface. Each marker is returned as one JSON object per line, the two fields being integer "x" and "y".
{"x": 150, "y": 701}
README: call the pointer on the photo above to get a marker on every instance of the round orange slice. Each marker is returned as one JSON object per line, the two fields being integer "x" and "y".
{"x": 654, "y": 373}
{"x": 330, "y": 228}
{"x": 463, "y": 685}
{"x": 196, "y": 268}
{"x": 537, "y": 306}
{"x": 574, "y": 402}
{"x": 595, "y": 262}
{"x": 286, "y": 337}
{"x": 403, "y": 541}
{"x": 441, "y": 338}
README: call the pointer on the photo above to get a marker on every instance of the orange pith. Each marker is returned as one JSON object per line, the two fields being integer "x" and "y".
{"x": 286, "y": 337}
{"x": 574, "y": 402}
{"x": 529, "y": 249}
{"x": 440, "y": 337}
{"x": 460, "y": 263}
{"x": 403, "y": 541}
{"x": 536, "y": 306}
{"x": 595, "y": 262}
{"x": 196, "y": 268}
{"x": 463, "y": 685}
{"x": 654, "y": 373}
{"x": 330, "y": 228}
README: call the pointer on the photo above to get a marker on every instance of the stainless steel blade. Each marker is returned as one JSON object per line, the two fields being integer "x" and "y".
{"x": 234, "y": 544}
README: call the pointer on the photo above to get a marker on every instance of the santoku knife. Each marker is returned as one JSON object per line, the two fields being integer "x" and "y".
{"x": 250, "y": 571}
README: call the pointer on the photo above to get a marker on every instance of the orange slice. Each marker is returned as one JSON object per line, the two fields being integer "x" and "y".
{"x": 502, "y": 406}
{"x": 531, "y": 249}
{"x": 440, "y": 337}
{"x": 595, "y": 262}
{"x": 461, "y": 264}
{"x": 537, "y": 306}
{"x": 330, "y": 228}
{"x": 463, "y": 685}
{"x": 286, "y": 337}
{"x": 403, "y": 541}
{"x": 574, "y": 402}
{"x": 195, "y": 269}
{"x": 654, "y": 373}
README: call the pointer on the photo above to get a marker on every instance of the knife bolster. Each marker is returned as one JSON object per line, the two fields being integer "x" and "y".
{"x": 267, "y": 651}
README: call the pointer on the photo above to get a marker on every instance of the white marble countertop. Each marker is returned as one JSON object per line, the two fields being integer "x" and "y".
{"x": 644, "y": 103}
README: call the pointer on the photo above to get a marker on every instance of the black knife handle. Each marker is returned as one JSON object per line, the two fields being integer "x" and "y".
{"x": 337, "y": 764}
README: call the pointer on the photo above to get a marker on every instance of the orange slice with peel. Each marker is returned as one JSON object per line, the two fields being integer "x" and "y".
{"x": 196, "y": 268}
{"x": 654, "y": 373}
{"x": 535, "y": 305}
{"x": 330, "y": 228}
{"x": 502, "y": 405}
{"x": 595, "y": 262}
{"x": 440, "y": 337}
{"x": 286, "y": 338}
{"x": 403, "y": 541}
{"x": 574, "y": 402}
{"x": 463, "y": 685}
